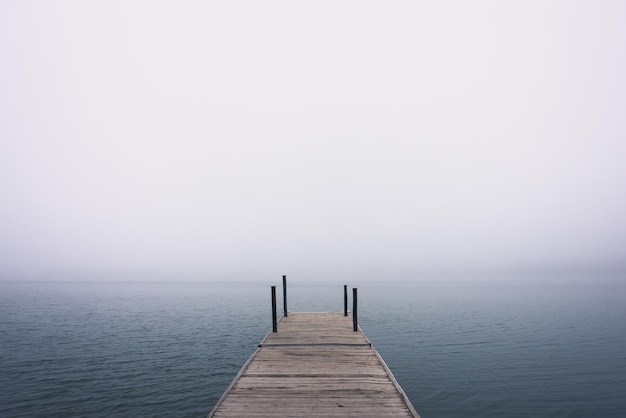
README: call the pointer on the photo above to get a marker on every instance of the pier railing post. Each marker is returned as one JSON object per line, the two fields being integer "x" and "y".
{"x": 345, "y": 300}
{"x": 355, "y": 322}
{"x": 285, "y": 295}
{"x": 274, "y": 325}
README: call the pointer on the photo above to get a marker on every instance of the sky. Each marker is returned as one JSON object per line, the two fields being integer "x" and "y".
{"x": 193, "y": 140}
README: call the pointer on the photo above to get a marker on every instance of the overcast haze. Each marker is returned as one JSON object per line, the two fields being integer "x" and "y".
{"x": 206, "y": 140}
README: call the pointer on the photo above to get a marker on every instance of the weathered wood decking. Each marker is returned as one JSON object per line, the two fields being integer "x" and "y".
{"x": 315, "y": 365}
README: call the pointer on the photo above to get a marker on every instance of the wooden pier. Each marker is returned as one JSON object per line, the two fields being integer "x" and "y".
{"x": 315, "y": 365}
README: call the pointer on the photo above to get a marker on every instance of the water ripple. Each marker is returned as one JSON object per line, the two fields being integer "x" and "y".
{"x": 163, "y": 349}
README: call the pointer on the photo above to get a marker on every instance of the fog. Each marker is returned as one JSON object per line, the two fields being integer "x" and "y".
{"x": 145, "y": 140}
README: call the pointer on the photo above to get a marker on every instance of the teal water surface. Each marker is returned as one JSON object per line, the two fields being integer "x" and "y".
{"x": 170, "y": 349}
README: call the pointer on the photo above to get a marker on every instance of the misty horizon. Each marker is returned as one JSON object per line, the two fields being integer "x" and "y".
{"x": 406, "y": 141}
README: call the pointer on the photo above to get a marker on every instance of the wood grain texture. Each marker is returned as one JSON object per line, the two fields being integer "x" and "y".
{"x": 314, "y": 366}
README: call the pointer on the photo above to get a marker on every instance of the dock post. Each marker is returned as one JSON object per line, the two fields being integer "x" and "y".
{"x": 274, "y": 326}
{"x": 345, "y": 300}
{"x": 355, "y": 322}
{"x": 285, "y": 295}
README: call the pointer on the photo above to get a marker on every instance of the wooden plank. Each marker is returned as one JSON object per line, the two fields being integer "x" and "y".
{"x": 315, "y": 365}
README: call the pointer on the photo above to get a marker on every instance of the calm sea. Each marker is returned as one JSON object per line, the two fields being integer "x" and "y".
{"x": 170, "y": 349}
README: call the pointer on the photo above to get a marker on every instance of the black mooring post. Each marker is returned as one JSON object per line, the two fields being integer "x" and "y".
{"x": 285, "y": 295}
{"x": 274, "y": 326}
{"x": 355, "y": 322}
{"x": 345, "y": 300}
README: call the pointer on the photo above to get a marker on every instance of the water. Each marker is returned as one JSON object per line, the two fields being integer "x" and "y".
{"x": 170, "y": 349}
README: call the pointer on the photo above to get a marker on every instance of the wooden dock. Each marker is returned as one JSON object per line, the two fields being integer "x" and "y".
{"x": 315, "y": 365}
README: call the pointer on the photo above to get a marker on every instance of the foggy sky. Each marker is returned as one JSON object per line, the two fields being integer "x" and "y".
{"x": 240, "y": 139}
